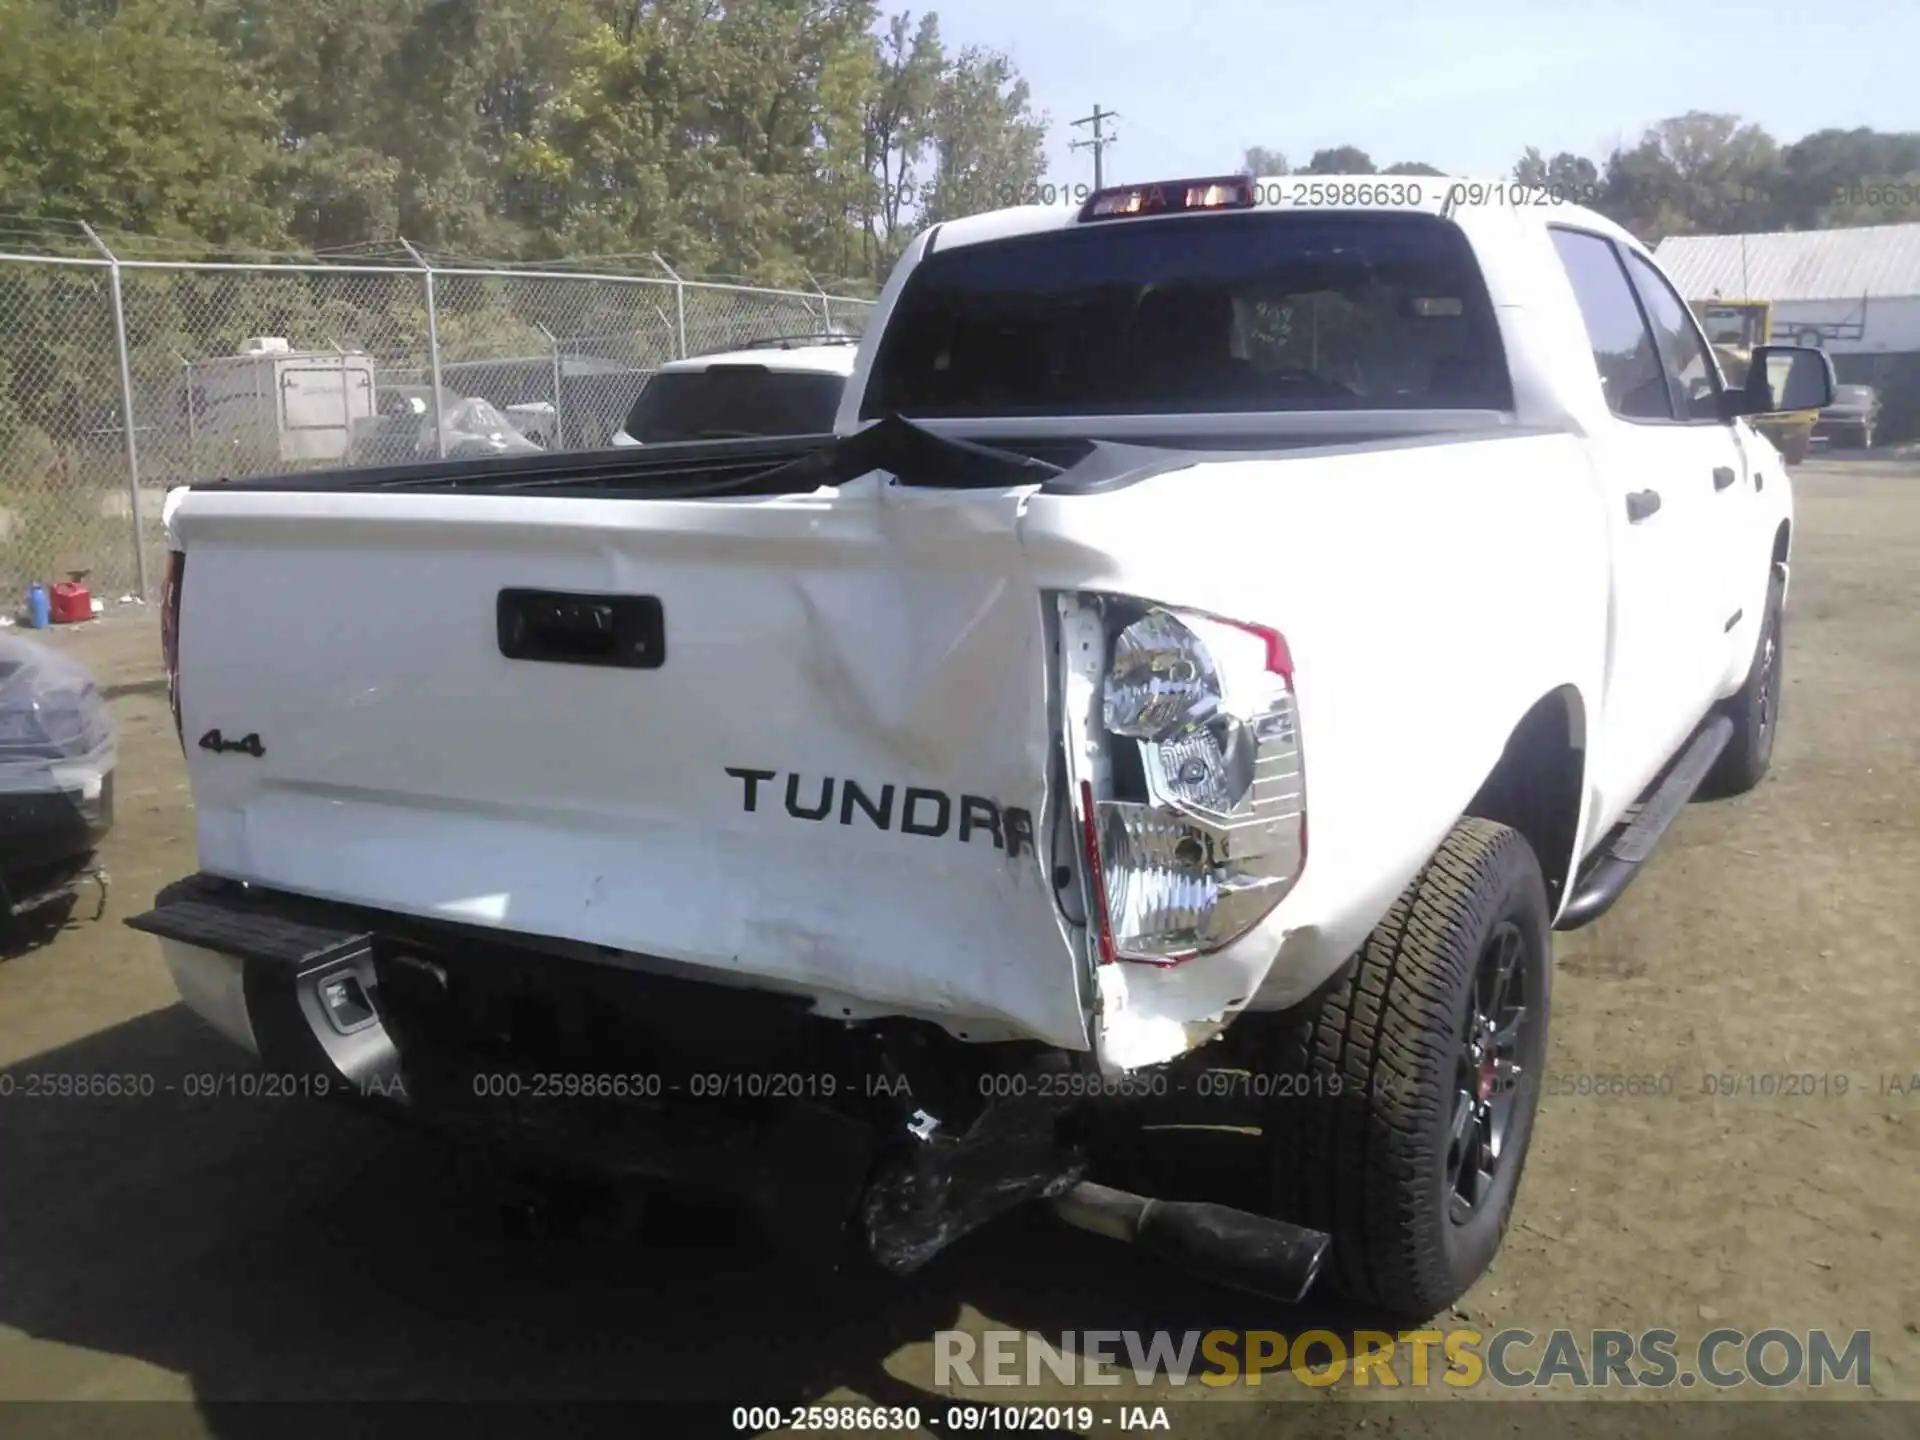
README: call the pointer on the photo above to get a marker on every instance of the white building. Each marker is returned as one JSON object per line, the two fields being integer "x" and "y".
{"x": 1851, "y": 292}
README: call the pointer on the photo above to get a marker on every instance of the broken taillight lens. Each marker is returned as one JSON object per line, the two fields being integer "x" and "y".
{"x": 170, "y": 634}
{"x": 1198, "y": 825}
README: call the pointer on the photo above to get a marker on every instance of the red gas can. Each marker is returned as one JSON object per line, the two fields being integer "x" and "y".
{"x": 70, "y": 602}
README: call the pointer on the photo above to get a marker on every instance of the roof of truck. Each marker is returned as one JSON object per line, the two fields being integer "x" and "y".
{"x": 1423, "y": 194}
{"x": 832, "y": 358}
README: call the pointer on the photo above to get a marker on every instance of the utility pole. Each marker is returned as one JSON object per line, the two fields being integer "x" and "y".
{"x": 1098, "y": 144}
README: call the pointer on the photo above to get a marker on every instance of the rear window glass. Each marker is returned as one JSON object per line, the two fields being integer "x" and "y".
{"x": 1242, "y": 312}
{"x": 725, "y": 401}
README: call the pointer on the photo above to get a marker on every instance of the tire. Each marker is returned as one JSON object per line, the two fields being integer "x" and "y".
{"x": 1755, "y": 711}
{"x": 1368, "y": 1156}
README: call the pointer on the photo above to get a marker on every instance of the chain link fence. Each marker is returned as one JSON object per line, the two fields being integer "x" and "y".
{"x": 121, "y": 378}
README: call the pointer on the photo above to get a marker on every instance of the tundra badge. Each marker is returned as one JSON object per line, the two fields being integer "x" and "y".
{"x": 924, "y": 812}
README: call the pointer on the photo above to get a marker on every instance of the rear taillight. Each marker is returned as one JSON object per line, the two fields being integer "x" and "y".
{"x": 1192, "y": 791}
{"x": 170, "y": 634}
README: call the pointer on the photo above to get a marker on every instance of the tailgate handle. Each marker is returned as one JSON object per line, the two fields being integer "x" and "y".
{"x": 624, "y": 631}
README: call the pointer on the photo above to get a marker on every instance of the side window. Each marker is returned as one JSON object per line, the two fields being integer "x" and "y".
{"x": 1628, "y": 357}
{"x": 1689, "y": 363}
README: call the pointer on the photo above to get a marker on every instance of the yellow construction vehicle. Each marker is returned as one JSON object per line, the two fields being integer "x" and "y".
{"x": 1733, "y": 328}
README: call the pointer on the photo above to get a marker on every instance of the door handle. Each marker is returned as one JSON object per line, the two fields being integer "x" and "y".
{"x": 1723, "y": 476}
{"x": 625, "y": 631}
{"x": 1641, "y": 504}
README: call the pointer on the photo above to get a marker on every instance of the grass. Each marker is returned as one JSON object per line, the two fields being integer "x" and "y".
{"x": 50, "y": 532}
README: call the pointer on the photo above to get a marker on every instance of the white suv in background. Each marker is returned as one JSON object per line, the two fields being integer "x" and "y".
{"x": 779, "y": 386}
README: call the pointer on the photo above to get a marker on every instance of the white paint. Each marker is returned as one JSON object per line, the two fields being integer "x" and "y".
{"x": 1430, "y": 596}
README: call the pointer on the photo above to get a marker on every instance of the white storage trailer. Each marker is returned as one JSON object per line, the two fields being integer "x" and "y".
{"x": 280, "y": 403}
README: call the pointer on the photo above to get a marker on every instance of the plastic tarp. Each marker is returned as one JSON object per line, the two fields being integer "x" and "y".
{"x": 55, "y": 732}
{"x": 476, "y": 427}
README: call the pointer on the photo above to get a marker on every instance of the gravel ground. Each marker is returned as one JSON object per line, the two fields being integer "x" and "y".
{"x": 218, "y": 1249}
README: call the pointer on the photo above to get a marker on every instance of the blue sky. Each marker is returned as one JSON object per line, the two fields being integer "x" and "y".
{"x": 1464, "y": 85}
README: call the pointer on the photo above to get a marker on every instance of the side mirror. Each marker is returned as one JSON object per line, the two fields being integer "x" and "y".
{"x": 1782, "y": 379}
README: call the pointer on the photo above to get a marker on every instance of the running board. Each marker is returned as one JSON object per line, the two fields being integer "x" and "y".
{"x": 1614, "y": 868}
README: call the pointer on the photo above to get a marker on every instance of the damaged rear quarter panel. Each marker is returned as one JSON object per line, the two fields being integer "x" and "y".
{"x": 1428, "y": 596}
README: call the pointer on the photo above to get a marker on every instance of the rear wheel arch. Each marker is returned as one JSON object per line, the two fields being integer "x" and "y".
{"x": 1416, "y": 1063}
{"x": 1537, "y": 785}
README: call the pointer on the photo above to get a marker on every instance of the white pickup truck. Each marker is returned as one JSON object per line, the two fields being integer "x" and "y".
{"x": 884, "y": 827}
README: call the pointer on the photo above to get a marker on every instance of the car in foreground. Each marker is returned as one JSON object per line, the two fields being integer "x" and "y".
{"x": 1221, "y": 638}
{"x": 58, "y": 751}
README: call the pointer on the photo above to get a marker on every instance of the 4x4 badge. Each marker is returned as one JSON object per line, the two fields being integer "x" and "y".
{"x": 249, "y": 745}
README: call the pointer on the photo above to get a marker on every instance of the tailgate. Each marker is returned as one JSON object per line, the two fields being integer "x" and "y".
{"x": 824, "y": 773}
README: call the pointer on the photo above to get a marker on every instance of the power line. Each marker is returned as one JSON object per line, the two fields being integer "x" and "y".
{"x": 1098, "y": 144}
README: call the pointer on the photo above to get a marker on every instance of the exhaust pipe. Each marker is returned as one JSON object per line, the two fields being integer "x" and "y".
{"x": 1230, "y": 1247}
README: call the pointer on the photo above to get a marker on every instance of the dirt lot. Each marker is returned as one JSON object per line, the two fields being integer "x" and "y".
{"x": 231, "y": 1249}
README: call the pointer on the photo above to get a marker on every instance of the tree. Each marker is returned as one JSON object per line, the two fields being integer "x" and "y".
{"x": 989, "y": 147}
{"x": 762, "y": 138}
{"x": 1875, "y": 200}
{"x": 727, "y": 141}
{"x": 770, "y": 140}
{"x": 1341, "y": 160}
{"x": 1262, "y": 163}
{"x": 1693, "y": 174}
{"x": 132, "y": 121}
{"x": 1566, "y": 174}
{"x": 760, "y": 109}
{"x": 1833, "y": 177}
{"x": 400, "y": 118}
{"x": 597, "y": 156}
{"x": 898, "y": 117}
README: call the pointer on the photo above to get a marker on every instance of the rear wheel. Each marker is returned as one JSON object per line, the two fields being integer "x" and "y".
{"x": 1420, "y": 1070}
{"x": 1755, "y": 711}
